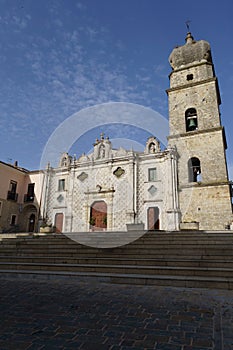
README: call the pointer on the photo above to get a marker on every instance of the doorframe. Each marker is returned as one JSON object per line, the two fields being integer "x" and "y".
{"x": 92, "y": 227}
{"x": 59, "y": 213}
{"x": 157, "y": 222}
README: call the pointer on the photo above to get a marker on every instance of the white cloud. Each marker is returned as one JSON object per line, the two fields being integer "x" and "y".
{"x": 80, "y": 6}
{"x": 60, "y": 75}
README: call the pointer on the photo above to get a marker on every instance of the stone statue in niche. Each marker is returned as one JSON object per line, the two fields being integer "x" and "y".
{"x": 102, "y": 148}
{"x": 102, "y": 151}
{"x": 152, "y": 148}
{"x": 65, "y": 160}
{"x": 152, "y": 145}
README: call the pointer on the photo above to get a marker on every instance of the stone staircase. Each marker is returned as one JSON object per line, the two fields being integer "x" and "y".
{"x": 181, "y": 259}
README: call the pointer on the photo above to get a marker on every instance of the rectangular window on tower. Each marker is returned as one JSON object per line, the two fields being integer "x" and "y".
{"x": 61, "y": 185}
{"x": 152, "y": 174}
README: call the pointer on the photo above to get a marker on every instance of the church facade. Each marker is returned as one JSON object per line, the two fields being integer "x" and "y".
{"x": 185, "y": 186}
{"x": 113, "y": 189}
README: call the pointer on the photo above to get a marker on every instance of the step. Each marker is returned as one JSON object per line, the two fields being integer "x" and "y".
{"x": 132, "y": 246}
{"x": 183, "y": 259}
{"x": 143, "y": 253}
{"x": 118, "y": 261}
{"x": 146, "y": 237}
{"x": 129, "y": 269}
{"x": 159, "y": 280}
{"x": 116, "y": 256}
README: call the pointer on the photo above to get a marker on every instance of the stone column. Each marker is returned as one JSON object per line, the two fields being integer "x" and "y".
{"x": 173, "y": 212}
{"x": 131, "y": 193}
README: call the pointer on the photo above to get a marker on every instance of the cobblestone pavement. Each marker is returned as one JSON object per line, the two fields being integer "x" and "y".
{"x": 62, "y": 315}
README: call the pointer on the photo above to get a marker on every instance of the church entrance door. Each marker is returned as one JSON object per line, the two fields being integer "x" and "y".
{"x": 98, "y": 217}
{"x": 153, "y": 218}
{"x": 59, "y": 222}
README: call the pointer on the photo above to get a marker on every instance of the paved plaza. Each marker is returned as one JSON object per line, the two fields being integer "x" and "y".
{"x": 53, "y": 314}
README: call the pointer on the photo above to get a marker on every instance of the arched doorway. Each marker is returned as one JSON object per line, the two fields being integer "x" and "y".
{"x": 28, "y": 219}
{"x": 31, "y": 224}
{"x": 98, "y": 216}
{"x": 153, "y": 218}
{"x": 59, "y": 222}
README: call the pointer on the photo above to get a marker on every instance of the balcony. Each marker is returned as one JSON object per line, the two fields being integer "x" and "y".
{"x": 28, "y": 198}
{"x": 13, "y": 196}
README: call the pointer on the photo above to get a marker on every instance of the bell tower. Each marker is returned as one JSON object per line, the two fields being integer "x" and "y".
{"x": 197, "y": 134}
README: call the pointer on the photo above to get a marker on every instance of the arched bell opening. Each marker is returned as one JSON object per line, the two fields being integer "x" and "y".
{"x": 194, "y": 169}
{"x": 191, "y": 119}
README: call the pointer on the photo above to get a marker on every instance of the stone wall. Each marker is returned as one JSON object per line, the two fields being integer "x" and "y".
{"x": 201, "y": 97}
{"x": 208, "y": 205}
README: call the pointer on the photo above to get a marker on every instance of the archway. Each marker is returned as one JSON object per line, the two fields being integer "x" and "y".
{"x": 28, "y": 219}
{"x": 153, "y": 218}
{"x": 31, "y": 224}
{"x": 98, "y": 216}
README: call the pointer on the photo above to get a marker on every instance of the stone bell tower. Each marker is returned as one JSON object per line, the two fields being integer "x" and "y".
{"x": 197, "y": 134}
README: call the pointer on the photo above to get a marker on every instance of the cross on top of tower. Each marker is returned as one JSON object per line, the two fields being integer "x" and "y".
{"x": 188, "y": 24}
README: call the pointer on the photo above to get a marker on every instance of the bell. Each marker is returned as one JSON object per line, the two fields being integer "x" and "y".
{"x": 192, "y": 124}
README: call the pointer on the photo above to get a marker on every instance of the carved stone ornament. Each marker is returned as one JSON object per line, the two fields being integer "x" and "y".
{"x": 152, "y": 190}
{"x": 118, "y": 172}
{"x": 60, "y": 198}
{"x": 82, "y": 176}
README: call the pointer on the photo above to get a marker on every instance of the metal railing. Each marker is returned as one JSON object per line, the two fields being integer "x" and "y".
{"x": 12, "y": 196}
{"x": 29, "y": 197}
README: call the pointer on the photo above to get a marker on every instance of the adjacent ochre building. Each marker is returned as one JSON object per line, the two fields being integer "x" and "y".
{"x": 20, "y": 196}
{"x": 185, "y": 186}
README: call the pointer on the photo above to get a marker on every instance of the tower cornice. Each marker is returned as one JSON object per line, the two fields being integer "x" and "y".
{"x": 195, "y": 132}
{"x": 190, "y": 85}
{"x": 185, "y": 86}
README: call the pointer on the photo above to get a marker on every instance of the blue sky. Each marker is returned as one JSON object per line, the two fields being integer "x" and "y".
{"x": 58, "y": 57}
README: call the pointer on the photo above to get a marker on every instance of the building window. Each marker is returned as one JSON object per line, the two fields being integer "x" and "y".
{"x": 152, "y": 174}
{"x": 29, "y": 196}
{"x": 12, "y": 191}
{"x": 13, "y": 220}
{"x": 61, "y": 185}
{"x": 13, "y": 186}
{"x": 194, "y": 167}
{"x": 191, "y": 119}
